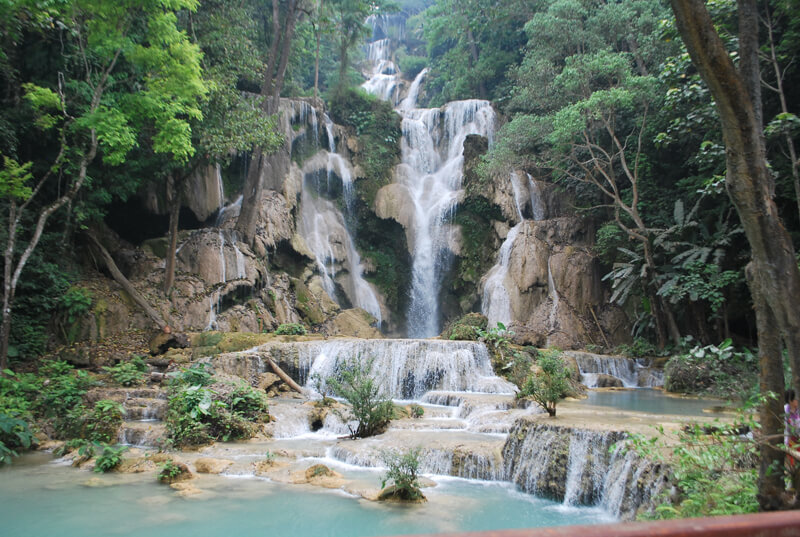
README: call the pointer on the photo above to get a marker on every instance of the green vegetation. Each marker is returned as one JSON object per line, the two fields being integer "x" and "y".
{"x": 130, "y": 373}
{"x": 403, "y": 473}
{"x": 718, "y": 370}
{"x": 15, "y": 435}
{"x": 202, "y": 409}
{"x": 549, "y": 384}
{"x": 291, "y": 329}
{"x": 170, "y": 471}
{"x": 467, "y": 327}
{"x": 378, "y": 129}
{"x": 109, "y": 458}
{"x": 497, "y": 340}
{"x": 714, "y": 468}
{"x": 369, "y": 408}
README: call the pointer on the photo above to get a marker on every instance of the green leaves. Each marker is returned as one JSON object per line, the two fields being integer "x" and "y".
{"x": 13, "y": 179}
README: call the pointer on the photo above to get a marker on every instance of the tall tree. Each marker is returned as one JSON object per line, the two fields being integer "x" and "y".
{"x": 232, "y": 121}
{"x": 772, "y": 273}
{"x": 282, "y": 23}
{"x": 111, "y": 52}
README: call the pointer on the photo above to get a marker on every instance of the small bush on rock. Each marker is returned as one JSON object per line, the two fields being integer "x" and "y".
{"x": 110, "y": 457}
{"x": 403, "y": 474}
{"x": 371, "y": 410}
{"x": 198, "y": 414}
{"x": 466, "y": 327}
{"x": 549, "y": 384}
{"x": 291, "y": 329}
{"x": 130, "y": 373}
{"x": 716, "y": 370}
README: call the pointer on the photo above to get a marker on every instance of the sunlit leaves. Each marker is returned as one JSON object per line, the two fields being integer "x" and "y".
{"x": 13, "y": 179}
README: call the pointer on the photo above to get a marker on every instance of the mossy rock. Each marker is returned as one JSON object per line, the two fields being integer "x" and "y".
{"x": 465, "y": 327}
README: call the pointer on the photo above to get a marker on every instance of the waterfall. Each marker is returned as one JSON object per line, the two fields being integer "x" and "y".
{"x": 551, "y": 285}
{"x": 406, "y": 369}
{"x": 631, "y": 373}
{"x": 537, "y": 205}
{"x": 496, "y": 303}
{"x": 516, "y": 187}
{"x": 581, "y": 467}
{"x": 431, "y": 171}
{"x": 325, "y": 230}
{"x": 410, "y": 101}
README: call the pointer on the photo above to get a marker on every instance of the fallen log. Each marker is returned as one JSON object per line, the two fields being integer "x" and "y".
{"x": 285, "y": 378}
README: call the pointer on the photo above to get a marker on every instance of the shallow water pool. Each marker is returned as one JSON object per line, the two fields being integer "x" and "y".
{"x": 41, "y": 498}
{"x": 651, "y": 402}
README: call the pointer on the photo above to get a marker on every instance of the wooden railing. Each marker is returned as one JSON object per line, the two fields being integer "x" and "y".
{"x": 777, "y": 524}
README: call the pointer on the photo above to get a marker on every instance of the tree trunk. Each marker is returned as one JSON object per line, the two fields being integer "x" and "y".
{"x": 251, "y": 196}
{"x": 126, "y": 284}
{"x": 8, "y": 289}
{"x": 316, "y": 67}
{"x": 174, "y": 196}
{"x": 270, "y": 90}
{"x": 773, "y": 276}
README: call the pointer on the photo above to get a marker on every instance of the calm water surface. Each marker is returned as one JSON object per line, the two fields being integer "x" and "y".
{"x": 41, "y": 498}
{"x": 650, "y": 401}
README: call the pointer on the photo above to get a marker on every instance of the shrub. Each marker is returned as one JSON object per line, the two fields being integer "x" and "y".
{"x": 171, "y": 470}
{"x": 466, "y": 327}
{"x": 195, "y": 375}
{"x": 403, "y": 472}
{"x": 110, "y": 457}
{"x": 198, "y": 415}
{"x": 63, "y": 389}
{"x": 547, "y": 386}
{"x": 103, "y": 423}
{"x": 130, "y": 373}
{"x": 497, "y": 340}
{"x": 248, "y": 402}
{"x": 716, "y": 370}
{"x": 714, "y": 468}
{"x": 416, "y": 411}
{"x": 291, "y": 329}
{"x": 368, "y": 406}
{"x": 73, "y": 304}
{"x": 14, "y": 436}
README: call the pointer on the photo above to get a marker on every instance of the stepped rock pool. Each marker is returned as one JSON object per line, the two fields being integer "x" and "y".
{"x": 41, "y": 497}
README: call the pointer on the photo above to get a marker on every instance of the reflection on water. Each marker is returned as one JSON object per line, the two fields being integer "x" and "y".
{"x": 41, "y": 498}
{"x": 651, "y": 401}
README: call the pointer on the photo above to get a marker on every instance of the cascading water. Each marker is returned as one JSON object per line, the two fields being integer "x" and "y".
{"x": 323, "y": 226}
{"x": 631, "y": 373}
{"x": 496, "y": 303}
{"x": 431, "y": 172}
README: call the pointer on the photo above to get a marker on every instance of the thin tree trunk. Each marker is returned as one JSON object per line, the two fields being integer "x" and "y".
{"x": 773, "y": 59}
{"x": 8, "y": 290}
{"x": 126, "y": 284}
{"x": 316, "y": 65}
{"x": 174, "y": 189}
{"x": 773, "y": 276}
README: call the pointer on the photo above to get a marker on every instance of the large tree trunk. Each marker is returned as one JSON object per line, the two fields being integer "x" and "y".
{"x": 772, "y": 274}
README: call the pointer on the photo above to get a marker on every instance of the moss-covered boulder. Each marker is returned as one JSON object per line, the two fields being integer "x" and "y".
{"x": 465, "y": 327}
